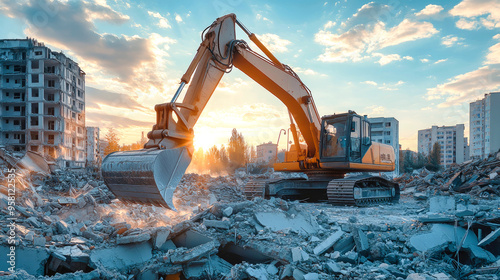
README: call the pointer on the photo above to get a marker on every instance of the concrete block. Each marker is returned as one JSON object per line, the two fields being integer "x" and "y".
{"x": 194, "y": 253}
{"x": 39, "y": 241}
{"x": 168, "y": 245}
{"x": 228, "y": 211}
{"x": 296, "y": 254}
{"x": 272, "y": 269}
{"x": 490, "y": 238}
{"x": 278, "y": 221}
{"x": 332, "y": 267}
{"x": 122, "y": 256}
{"x": 442, "y": 204}
{"x": 32, "y": 260}
{"x": 441, "y": 276}
{"x": 194, "y": 269}
{"x": 361, "y": 240}
{"x": 67, "y": 200}
{"x": 133, "y": 238}
{"x": 304, "y": 255}
{"x": 493, "y": 175}
{"x": 479, "y": 255}
{"x": 311, "y": 276}
{"x": 92, "y": 236}
{"x": 440, "y": 235}
{"x": 328, "y": 242}
{"x": 217, "y": 224}
{"x": 298, "y": 274}
{"x": 62, "y": 227}
{"x": 464, "y": 213}
{"x": 257, "y": 273}
{"x": 160, "y": 238}
{"x": 286, "y": 272}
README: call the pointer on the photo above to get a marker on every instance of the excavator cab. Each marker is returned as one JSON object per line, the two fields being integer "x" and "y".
{"x": 344, "y": 137}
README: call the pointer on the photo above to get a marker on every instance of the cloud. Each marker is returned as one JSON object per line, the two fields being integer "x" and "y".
{"x": 361, "y": 40}
{"x": 329, "y": 24}
{"x": 466, "y": 87}
{"x": 466, "y": 24}
{"x": 375, "y": 110}
{"x": 98, "y": 97}
{"x": 385, "y": 86}
{"x": 274, "y": 43}
{"x": 308, "y": 72}
{"x": 386, "y": 59}
{"x": 367, "y": 14}
{"x": 424, "y": 60}
{"x": 261, "y": 17}
{"x": 69, "y": 26}
{"x": 451, "y": 40}
{"x": 473, "y": 9}
{"x": 178, "y": 18}
{"x": 493, "y": 56}
{"x": 118, "y": 122}
{"x": 162, "y": 21}
{"x": 429, "y": 10}
{"x": 233, "y": 87}
{"x": 441, "y": 60}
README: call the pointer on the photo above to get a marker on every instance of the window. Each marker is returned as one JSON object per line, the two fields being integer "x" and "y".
{"x": 388, "y": 141}
{"x": 35, "y": 78}
{"x": 34, "y": 121}
{"x": 34, "y": 135}
{"x": 79, "y": 82}
{"x": 6, "y": 135}
{"x": 52, "y": 125}
{"x": 35, "y": 64}
{"x": 388, "y": 124}
{"x": 52, "y": 83}
{"x": 16, "y": 122}
{"x": 38, "y": 52}
{"x": 73, "y": 115}
{"x": 17, "y": 108}
{"x": 7, "y": 80}
{"x": 387, "y": 133}
{"x": 34, "y": 92}
{"x": 34, "y": 108}
{"x": 50, "y": 97}
{"x": 51, "y": 111}
{"x": 6, "y": 108}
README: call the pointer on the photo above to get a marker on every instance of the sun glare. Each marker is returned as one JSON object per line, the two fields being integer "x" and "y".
{"x": 204, "y": 138}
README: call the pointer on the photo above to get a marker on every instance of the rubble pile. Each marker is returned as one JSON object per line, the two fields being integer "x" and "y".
{"x": 476, "y": 177}
{"x": 69, "y": 226}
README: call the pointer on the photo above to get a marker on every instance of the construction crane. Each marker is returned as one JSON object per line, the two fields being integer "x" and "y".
{"x": 332, "y": 145}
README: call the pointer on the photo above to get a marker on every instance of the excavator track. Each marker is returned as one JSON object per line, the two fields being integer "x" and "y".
{"x": 362, "y": 191}
{"x": 255, "y": 188}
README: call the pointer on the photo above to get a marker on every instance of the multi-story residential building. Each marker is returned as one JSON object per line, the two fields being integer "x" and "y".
{"x": 451, "y": 140}
{"x": 93, "y": 146}
{"x": 266, "y": 153}
{"x": 103, "y": 144}
{"x": 484, "y": 125}
{"x": 386, "y": 131}
{"x": 42, "y": 102}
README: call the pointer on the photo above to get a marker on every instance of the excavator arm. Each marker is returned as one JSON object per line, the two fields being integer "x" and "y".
{"x": 151, "y": 175}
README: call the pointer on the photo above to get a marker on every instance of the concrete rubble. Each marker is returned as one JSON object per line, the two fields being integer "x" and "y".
{"x": 68, "y": 225}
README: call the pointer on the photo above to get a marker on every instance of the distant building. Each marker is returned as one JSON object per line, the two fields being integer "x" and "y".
{"x": 451, "y": 140}
{"x": 93, "y": 146}
{"x": 266, "y": 152}
{"x": 386, "y": 131}
{"x": 484, "y": 125}
{"x": 42, "y": 102}
{"x": 103, "y": 144}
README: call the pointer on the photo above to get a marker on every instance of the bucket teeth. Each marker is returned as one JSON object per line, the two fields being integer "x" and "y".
{"x": 148, "y": 176}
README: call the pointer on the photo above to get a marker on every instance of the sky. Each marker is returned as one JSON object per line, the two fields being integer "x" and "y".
{"x": 421, "y": 62}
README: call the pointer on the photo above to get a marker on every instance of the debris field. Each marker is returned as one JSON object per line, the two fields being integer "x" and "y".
{"x": 68, "y": 225}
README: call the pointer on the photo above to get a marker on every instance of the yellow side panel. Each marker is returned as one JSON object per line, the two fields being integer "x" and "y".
{"x": 380, "y": 154}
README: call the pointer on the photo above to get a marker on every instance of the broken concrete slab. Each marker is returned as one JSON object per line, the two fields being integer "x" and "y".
{"x": 442, "y": 204}
{"x": 67, "y": 200}
{"x": 257, "y": 273}
{"x": 361, "y": 240}
{"x": 195, "y": 253}
{"x": 228, "y": 211}
{"x": 133, "y": 238}
{"x": 122, "y": 256}
{"x": 441, "y": 234}
{"x": 32, "y": 260}
{"x": 479, "y": 255}
{"x": 217, "y": 224}
{"x": 190, "y": 239}
{"x": 328, "y": 242}
{"x": 490, "y": 238}
{"x": 311, "y": 276}
{"x": 39, "y": 241}
{"x": 278, "y": 221}
{"x": 161, "y": 237}
{"x": 332, "y": 267}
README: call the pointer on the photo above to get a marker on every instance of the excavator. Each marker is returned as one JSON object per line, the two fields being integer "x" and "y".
{"x": 324, "y": 148}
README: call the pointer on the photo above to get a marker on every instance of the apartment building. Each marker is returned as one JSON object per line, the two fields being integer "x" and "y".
{"x": 454, "y": 147}
{"x": 266, "y": 153}
{"x": 386, "y": 131}
{"x": 42, "y": 102}
{"x": 484, "y": 125}
{"x": 93, "y": 149}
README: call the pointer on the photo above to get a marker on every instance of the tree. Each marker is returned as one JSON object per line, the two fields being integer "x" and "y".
{"x": 434, "y": 160}
{"x": 237, "y": 151}
{"x": 113, "y": 141}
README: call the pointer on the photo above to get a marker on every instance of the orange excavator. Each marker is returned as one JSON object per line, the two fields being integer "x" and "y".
{"x": 324, "y": 148}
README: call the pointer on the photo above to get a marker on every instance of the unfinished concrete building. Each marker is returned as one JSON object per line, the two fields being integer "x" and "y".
{"x": 386, "y": 131}
{"x": 484, "y": 125}
{"x": 42, "y": 102}
{"x": 266, "y": 152}
{"x": 454, "y": 147}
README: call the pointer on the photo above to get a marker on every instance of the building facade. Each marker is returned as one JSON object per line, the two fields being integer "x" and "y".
{"x": 454, "y": 147}
{"x": 386, "y": 131}
{"x": 266, "y": 153}
{"x": 42, "y": 102}
{"x": 93, "y": 147}
{"x": 484, "y": 125}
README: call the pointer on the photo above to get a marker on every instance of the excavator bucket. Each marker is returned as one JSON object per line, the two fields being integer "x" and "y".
{"x": 147, "y": 176}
